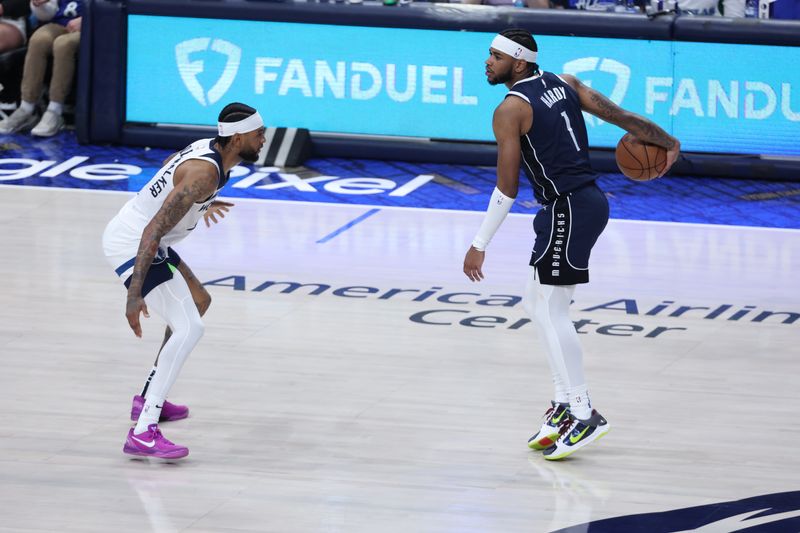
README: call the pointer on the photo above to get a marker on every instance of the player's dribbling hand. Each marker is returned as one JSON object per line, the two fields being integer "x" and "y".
{"x": 473, "y": 262}
{"x": 672, "y": 156}
{"x": 216, "y": 208}
{"x": 132, "y": 310}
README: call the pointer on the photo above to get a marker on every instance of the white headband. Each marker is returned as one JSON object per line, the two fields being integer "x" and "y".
{"x": 251, "y": 123}
{"x": 515, "y": 50}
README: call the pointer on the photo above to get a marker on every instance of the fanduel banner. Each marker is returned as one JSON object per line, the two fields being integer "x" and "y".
{"x": 431, "y": 83}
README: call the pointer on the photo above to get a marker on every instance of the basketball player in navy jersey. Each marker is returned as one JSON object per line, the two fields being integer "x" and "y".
{"x": 539, "y": 126}
{"x": 138, "y": 244}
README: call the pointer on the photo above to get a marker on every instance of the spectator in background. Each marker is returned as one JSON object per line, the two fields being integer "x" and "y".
{"x": 611, "y": 6}
{"x": 536, "y": 4}
{"x": 730, "y": 8}
{"x": 710, "y": 8}
{"x": 785, "y": 9}
{"x": 13, "y": 14}
{"x": 58, "y": 38}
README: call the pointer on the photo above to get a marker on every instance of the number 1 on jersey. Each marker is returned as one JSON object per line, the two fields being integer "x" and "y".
{"x": 569, "y": 128}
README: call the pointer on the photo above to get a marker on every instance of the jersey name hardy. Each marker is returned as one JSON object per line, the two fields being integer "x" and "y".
{"x": 551, "y": 96}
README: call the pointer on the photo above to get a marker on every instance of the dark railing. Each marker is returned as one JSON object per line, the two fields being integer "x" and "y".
{"x": 103, "y": 79}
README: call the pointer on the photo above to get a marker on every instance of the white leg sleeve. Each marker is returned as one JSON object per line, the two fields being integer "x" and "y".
{"x": 548, "y": 306}
{"x": 173, "y": 302}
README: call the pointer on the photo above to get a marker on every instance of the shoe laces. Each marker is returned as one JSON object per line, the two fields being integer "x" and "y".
{"x": 551, "y": 413}
{"x": 158, "y": 435}
{"x": 566, "y": 425}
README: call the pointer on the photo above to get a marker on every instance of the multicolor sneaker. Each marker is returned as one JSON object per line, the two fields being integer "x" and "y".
{"x": 152, "y": 443}
{"x": 548, "y": 434}
{"x": 169, "y": 411}
{"x": 577, "y": 434}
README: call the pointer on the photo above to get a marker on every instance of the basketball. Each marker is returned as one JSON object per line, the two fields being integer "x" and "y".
{"x": 638, "y": 160}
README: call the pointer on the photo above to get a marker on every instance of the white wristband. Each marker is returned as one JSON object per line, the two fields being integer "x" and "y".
{"x": 499, "y": 206}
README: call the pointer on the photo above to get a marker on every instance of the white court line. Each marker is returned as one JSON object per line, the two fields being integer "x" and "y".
{"x": 401, "y": 208}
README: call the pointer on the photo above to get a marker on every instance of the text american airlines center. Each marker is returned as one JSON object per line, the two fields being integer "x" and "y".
{"x": 431, "y": 83}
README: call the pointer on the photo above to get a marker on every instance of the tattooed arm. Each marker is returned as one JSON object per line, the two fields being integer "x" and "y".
{"x": 194, "y": 182}
{"x": 644, "y": 129}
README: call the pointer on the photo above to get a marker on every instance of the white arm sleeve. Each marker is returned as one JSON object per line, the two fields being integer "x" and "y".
{"x": 499, "y": 206}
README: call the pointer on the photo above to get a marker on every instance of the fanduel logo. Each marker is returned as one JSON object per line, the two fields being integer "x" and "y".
{"x": 189, "y": 69}
{"x": 620, "y": 71}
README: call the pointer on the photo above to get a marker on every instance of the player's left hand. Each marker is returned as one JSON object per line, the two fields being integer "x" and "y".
{"x": 217, "y": 208}
{"x": 133, "y": 307}
{"x": 672, "y": 156}
{"x": 473, "y": 263}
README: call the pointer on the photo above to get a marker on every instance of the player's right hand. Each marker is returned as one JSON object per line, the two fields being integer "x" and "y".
{"x": 672, "y": 156}
{"x": 473, "y": 262}
{"x": 217, "y": 208}
{"x": 135, "y": 306}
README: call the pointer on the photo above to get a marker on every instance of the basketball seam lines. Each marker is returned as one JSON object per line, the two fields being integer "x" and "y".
{"x": 641, "y": 169}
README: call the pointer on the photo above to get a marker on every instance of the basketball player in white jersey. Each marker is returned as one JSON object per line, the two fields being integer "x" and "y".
{"x": 540, "y": 126}
{"x": 137, "y": 243}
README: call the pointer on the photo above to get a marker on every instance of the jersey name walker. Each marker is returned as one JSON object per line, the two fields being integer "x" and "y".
{"x": 555, "y": 152}
{"x": 141, "y": 209}
{"x": 124, "y": 233}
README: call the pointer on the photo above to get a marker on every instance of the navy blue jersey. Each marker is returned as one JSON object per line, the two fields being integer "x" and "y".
{"x": 68, "y": 10}
{"x": 555, "y": 152}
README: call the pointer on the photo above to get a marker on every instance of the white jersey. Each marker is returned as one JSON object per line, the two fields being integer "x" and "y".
{"x": 124, "y": 233}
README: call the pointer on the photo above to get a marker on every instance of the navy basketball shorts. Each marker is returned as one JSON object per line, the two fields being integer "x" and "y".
{"x": 566, "y": 231}
{"x": 163, "y": 268}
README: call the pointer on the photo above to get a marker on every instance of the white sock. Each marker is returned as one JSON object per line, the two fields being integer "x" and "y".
{"x": 150, "y": 414}
{"x": 579, "y": 403}
{"x": 56, "y": 107}
{"x": 28, "y": 107}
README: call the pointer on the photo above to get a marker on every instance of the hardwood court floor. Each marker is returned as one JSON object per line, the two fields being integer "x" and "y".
{"x": 336, "y": 411}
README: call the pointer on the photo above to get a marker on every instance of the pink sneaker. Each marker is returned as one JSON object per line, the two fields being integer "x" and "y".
{"x": 169, "y": 412}
{"x": 152, "y": 443}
